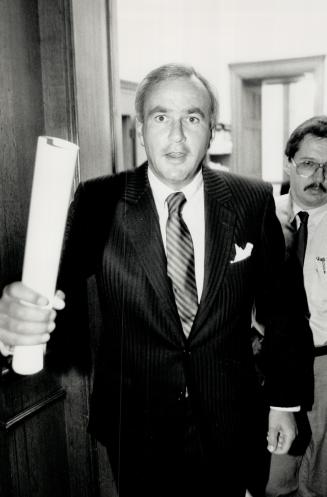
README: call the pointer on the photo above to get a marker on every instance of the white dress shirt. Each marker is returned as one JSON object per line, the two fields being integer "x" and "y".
{"x": 193, "y": 215}
{"x": 315, "y": 271}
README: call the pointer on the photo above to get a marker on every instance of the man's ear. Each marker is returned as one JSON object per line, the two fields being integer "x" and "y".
{"x": 212, "y": 135}
{"x": 287, "y": 167}
{"x": 139, "y": 131}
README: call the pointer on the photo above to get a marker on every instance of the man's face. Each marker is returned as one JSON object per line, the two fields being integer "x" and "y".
{"x": 176, "y": 129}
{"x": 312, "y": 191}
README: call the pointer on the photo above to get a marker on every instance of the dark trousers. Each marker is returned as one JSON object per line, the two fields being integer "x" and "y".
{"x": 181, "y": 465}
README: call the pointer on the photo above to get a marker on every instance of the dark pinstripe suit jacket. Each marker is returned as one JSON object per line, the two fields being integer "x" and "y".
{"x": 144, "y": 361}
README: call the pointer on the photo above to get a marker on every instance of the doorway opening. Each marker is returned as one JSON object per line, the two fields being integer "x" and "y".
{"x": 269, "y": 99}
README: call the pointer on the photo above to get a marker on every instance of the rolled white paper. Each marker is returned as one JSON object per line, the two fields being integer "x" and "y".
{"x": 52, "y": 184}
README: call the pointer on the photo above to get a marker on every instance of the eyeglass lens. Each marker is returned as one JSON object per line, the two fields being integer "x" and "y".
{"x": 308, "y": 168}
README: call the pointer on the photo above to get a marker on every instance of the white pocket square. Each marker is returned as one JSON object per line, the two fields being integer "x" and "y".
{"x": 241, "y": 254}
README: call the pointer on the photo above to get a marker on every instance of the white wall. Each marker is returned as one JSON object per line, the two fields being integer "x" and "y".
{"x": 154, "y": 32}
{"x": 210, "y": 34}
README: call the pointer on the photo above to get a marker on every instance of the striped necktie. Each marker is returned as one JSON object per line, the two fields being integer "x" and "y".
{"x": 180, "y": 261}
{"x": 302, "y": 236}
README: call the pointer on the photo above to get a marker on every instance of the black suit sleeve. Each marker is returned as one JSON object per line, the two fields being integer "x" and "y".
{"x": 88, "y": 222}
{"x": 69, "y": 344}
{"x": 288, "y": 346}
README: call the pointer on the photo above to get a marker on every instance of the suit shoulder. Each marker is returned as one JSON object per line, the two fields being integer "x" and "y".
{"x": 96, "y": 197}
{"x": 93, "y": 206}
{"x": 250, "y": 193}
{"x": 104, "y": 192}
{"x": 102, "y": 185}
{"x": 241, "y": 183}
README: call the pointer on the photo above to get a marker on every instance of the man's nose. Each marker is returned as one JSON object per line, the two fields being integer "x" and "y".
{"x": 320, "y": 174}
{"x": 176, "y": 131}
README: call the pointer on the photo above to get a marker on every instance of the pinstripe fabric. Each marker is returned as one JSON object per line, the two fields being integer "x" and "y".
{"x": 180, "y": 262}
{"x": 115, "y": 233}
{"x": 144, "y": 362}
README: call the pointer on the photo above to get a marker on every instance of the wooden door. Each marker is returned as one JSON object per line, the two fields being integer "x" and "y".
{"x": 129, "y": 138}
{"x": 45, "y": 450}
{"x": 251, "y": 125}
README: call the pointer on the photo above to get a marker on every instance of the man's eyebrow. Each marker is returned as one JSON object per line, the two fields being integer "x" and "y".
{"x": 308, "y": 157}
{"x": 196, "y": 110}
{"x": 164, "y": 110}
{"x": 156, "y": 109}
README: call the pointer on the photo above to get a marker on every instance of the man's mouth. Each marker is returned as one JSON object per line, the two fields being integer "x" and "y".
{"x": 176, "y": 154}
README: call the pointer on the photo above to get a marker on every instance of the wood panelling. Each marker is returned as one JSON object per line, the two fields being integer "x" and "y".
{"x": 19, "y": 404}
{"x": 92, "y": 87}
{"x": 45, "y": 449}
{"x": 32, "y": 439}
{"x": 57, "y": 62}
{"x": 6, "y": 481}
{"x": 59, "y": 96}
{"x": 21, "y": 121}
{"x": 43, "y": 462}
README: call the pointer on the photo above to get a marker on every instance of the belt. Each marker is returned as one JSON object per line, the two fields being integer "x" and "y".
{"x": 319, "y": 351}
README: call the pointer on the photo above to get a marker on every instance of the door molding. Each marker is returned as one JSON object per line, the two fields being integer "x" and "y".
{"x": 242, "y": 72}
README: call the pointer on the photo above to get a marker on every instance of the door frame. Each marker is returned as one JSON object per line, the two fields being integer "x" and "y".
{"x": 269, "y": 69}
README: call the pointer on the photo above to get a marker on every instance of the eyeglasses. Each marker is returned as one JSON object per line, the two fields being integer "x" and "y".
{"x": 307, "y": 168}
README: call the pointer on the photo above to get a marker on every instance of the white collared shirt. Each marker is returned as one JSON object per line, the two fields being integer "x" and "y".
{"x": 315, "y": 271}
{"x": 193, "y": 215}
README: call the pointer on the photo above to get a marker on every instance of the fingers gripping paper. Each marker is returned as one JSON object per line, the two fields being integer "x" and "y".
{"x": 52, "y": 183}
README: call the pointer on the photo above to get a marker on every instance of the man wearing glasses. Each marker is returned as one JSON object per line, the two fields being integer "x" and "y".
{"x": 303, "y": 215}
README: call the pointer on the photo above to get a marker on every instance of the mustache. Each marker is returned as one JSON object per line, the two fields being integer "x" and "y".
{"x": 315, "y": 186}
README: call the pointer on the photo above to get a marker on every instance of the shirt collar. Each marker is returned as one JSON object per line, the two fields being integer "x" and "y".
{"x": 315, "y": 214}
{"x": 161, "y": 191}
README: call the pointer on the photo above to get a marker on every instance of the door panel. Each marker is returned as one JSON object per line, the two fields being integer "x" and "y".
{"x": 251, "y": 149}
{"x": 45, "y": 450}
{"x": 32, "y": 415}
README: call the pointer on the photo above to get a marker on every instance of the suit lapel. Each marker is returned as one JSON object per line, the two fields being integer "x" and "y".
{"x": 220, "y": 221}
{"x": 143, "y": 229}
{"x": 142, "y": 225}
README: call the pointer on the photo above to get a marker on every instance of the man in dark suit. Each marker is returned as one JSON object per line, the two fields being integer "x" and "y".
{"x": 176, "y": 399}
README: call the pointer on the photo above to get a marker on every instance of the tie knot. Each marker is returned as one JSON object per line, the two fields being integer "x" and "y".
{"x": 175, "y": 202}
{"x": 303, "y": 216}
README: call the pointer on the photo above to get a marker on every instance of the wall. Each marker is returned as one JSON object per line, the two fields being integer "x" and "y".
{"x": 210, "y": 34}
{"x": 156, "y": 32}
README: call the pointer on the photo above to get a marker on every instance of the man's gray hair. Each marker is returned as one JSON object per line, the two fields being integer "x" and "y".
{"x": 172, "y": 71}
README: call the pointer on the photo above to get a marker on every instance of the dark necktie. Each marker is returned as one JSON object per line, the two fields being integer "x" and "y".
{"x": 301, "y": 236}
{"x": 180, "y": 262}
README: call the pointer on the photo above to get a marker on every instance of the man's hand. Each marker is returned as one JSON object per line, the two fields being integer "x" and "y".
{"x": 282, "y": 431}
{"x": 25, "y": 317}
